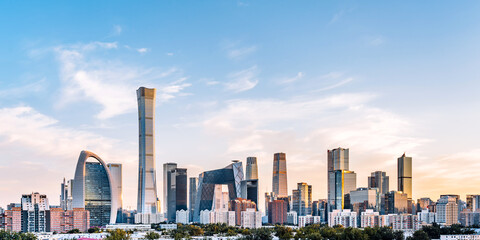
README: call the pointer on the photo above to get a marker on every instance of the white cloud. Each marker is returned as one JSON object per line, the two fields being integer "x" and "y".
{"x": 238, "y": 53}
{"x": 41, "y": 151}
{"x": 242, "y": 80}
{"x": 109, "y": 83}
{"x": 143, "y": 50}
{"x": 336, "y": 85}
{"x": 297, "y": 77}
{"x": 305, "y": 127}
{"x": 169, "y": 54}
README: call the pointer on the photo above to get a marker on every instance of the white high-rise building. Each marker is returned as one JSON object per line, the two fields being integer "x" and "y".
{"x": 251, "y": 218}
{"x": 369, "y": 218}
{"x": 307, "y": 220}
{"x": 344, "y": 217}
{"x": 34, "y": 212}
{"x": 426, "y": 217}
{"x": 147, "y": 181}
{"x": 181, "y": 216}
{"x": 447, "y": 210}
{"x": 116, "y": 173}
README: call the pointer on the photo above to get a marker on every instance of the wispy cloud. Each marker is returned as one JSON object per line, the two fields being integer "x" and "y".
{"x": 238, "y": 53}
{"x": 24, "y": 90}
{"x": 110, "y": 83}
{"x": 297, "y": 77}
{"x": 305, "y": 127}
{"x": 375, "y": 40}
{"x": 336, "y": 85}
{"x": 242, "y": 80}
{"x": 117, "y": 30}
{"x": 337, "y": 16}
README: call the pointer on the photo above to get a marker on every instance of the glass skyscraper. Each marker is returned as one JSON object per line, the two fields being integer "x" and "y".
{"x": 167, "y": 168}
{"x": 98, "y": 198}
{"x": 380, "y": 180}
{"x": 192, "y": 195}
{"x": 340, "y": 180}
{"x": 231, "y": 175}
{"x": 405, "y": 175}
{"x": 279, "y": 181}
{"x": 251, "y": 169}
{"x": 93, "y": 190}
{"x": 147, "y": 184}
{"x": 302, "y": 202}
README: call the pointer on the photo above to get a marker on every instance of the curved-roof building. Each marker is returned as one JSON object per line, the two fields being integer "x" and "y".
{"x": 93, "y": 190}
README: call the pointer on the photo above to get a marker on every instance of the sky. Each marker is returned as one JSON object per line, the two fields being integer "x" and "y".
{"x": 237, "y": 79}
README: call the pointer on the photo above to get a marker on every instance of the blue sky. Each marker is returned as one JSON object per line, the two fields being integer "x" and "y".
{"x": 241, "y": 78}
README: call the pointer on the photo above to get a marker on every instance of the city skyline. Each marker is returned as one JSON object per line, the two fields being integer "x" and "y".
{"x": 336, "y": 75}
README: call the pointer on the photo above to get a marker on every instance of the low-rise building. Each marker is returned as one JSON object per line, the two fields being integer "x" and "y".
{"x": 369, "y": 218}
{"x": 149, "y": 218}
{"x": 59, "y": 220}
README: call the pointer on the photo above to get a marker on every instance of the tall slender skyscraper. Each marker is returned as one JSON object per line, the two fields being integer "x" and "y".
{"x": 167, "y": 168}
{"x": 192, "y": 196}
{"x": 279, "y": 183}
{"x": 251, "y": 169}
{"x": 405, "y": 175}
{"x": 147, "y": 184}
{"x": 380, "y": 180}
{"x": 116, "y": 173}
{"x": 340, "y": 180}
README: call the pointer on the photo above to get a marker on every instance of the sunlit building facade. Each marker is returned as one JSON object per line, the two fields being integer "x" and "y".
{"x": 147, "y": 181}
{"x": 279, "y": 181}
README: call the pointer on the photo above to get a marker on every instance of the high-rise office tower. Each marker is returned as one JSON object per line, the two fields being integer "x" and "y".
{"x": 473, "y": 202}
{"x": 147, "y": 182}
{"x": 116, "y": 173}
{"x": 279, "y": 183}
{"x": 177, "y": 192}
{"x": 302, "y": 202}
{"x": 93, "y": 190}
{"x": 192, "y": 195}
{"x": 380, "y": 180}
{"x": 167, "y": 168}
{"x": 404, "y": 167}
{"x": 447, "y": 210}
{"x": 66, "y": 194}
{"x": 394, "y": 202}
{"x": 340, "y": 180}
{"x": 34, "y": 212}
{"x": 251, "y": 169}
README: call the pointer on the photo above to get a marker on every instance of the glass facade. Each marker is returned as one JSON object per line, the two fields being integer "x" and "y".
{"x": 405, "y": 175}
{"x": 279, "y": 181}
{"x": 147, "y": 183}
{"x": 232, "y": 176}
{"x": 98, "y": 199}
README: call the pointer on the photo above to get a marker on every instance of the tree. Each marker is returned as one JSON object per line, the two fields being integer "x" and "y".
{"x": 283, "y": 233}
{"x": 8, "y": 235}
{"x": 74, "y": 231}
{"x": 419, "y": 235}
{"x": 152, "y": 236}
{"x": 94, "y": 230}
{"x": 118, "y": 234}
